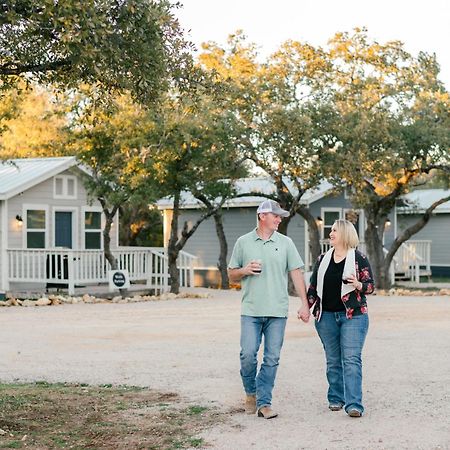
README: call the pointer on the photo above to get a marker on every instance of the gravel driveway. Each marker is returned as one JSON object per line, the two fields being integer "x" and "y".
{"x": 191, "y": 346}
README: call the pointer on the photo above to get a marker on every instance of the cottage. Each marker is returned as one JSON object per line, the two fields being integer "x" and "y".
{"x": 431, "y": 243}
{"x": 414, "y": 258}
{"x": 51, "y": 231}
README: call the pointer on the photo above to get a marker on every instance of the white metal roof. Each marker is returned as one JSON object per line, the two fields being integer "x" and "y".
{"x": 263, "y": 185}
{"x": 18, "y": 175}
{"x": 419, "y": 200}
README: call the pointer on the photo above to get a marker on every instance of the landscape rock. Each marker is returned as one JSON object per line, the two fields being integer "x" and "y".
{"x": 43, "y": 301}
{"x": 27, "y": 303}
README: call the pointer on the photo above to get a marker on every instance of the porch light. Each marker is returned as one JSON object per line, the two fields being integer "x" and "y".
{"x": 319, "y": 221}
{"x": 387, "y": 224}
{"x": 19, "y": 219}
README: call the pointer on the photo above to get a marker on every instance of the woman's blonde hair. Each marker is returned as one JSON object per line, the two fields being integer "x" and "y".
{"x": 348, "y": 232}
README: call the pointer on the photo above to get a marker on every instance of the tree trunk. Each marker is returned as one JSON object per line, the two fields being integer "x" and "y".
{"x": 109, "y": 218}
{"x": 107, "y": 240}
{"x": 410, "y": 231}
{"x": 283, "y": 227}
{"x": 222, "y": 263}
{"x": 176, "y": 244}
{"x": 374, "y": 241}
{"x": 173, "y": 248}
{"x": 313, "y": 234}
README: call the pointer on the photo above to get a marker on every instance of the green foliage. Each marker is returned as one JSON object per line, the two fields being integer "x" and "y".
{"x": 133, "y": 45}
{"x": 109, "y": 140}
{"x": 193, "y": 146}
{"x": 140, "y": 225}
{"x": 279, "y": 130}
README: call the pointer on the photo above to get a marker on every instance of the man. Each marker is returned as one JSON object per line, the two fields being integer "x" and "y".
{"x": 261, "y": 260}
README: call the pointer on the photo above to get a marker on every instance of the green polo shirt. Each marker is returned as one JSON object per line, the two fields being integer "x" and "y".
{"x": 266, "y": 294}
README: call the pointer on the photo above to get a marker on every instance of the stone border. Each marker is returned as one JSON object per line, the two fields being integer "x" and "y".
{"x": 412, "y": 293}
{"x": 53, "y": 300}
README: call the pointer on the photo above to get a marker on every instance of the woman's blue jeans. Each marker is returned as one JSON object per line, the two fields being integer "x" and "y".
{"x": 343, "y": 341}
{"x": 252, "y": 331}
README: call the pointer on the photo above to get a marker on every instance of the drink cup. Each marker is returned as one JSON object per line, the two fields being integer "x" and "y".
{"x": 260, "y": 266}
{"x": 345, "y": 278}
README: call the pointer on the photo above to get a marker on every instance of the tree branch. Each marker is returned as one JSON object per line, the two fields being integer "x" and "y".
{"x": 45, "y": 67}
{"x": 413, "y": 229}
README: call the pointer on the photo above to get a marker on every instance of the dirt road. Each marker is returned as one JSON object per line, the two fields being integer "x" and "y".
{"x": 191, "y": 347}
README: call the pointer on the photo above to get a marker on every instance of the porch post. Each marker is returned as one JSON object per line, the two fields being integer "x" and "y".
{"x": 148, "y": 268}
{"x": 71, "y": 273}
{"x": 165, "y": 265}
{"x": 4, "y": 276}
{"x": 417, "y": 271}
{"x": 191, "y": 272}
{"x": 307, "y": 251}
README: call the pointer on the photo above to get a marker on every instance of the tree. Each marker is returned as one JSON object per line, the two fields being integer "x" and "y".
{"x": 33, "y": 124}
{"x": 277, "y": 108}
{"x": 213, "y": 199}
{"x": 390, "y": 119}
{"x": 194, "y": 151}
{"x": 140, "y": 224}
{"x": 110, "y": 141}
{"x": 132, "y": 45}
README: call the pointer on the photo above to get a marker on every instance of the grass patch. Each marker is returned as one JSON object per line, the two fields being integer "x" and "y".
{"x": 57, "y": 416}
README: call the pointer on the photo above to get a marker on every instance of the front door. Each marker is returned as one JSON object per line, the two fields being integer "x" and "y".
{"x": 63, "y": 229}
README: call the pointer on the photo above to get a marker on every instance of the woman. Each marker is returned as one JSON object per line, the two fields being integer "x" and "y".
{"x": 341, "y": 278}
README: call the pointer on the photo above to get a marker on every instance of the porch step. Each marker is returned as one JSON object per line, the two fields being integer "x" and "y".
{"x": 401, "y": 276}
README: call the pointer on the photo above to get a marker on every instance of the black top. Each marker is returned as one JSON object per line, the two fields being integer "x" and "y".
{"x": 332, "y": 283}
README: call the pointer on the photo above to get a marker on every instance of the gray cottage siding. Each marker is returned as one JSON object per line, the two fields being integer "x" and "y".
{"x": 30, "y": 184}
{"x": 241, "y": 218}
{"x": 436, "y": 230}
{"x": 238, "y": 221}
{"x": 204, "y": 242}
{"x": 42, "y": 195}
{"x": 2, "y": 245}
{"x": 296, "y": 231}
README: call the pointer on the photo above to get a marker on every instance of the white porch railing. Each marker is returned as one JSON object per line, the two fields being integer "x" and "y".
{"x": 82, "y": 267}
{"x": 413, "y": 260}
{"x": 325, "y": 246}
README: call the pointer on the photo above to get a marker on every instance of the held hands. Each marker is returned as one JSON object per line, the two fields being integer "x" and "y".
{"x": 351, "y": 279}
{"x": 303, "y": 313}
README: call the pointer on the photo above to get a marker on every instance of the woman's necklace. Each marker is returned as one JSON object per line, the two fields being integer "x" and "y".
{"x": 339, "y": 256}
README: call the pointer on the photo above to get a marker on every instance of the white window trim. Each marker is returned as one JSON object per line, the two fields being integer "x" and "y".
{"x": 323, "y": 210}
{"x": 74, "y": 212}
{"x": 64, "y": 194}
{"x": 27, "y": 207}
{"x": 84, "y": 210}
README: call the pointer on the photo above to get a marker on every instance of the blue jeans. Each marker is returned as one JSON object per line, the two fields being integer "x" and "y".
{"x": 252, "y": 331}
{"x": 343, "y": 341}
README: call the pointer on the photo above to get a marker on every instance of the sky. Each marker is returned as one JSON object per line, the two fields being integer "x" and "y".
{"x": 420, "y": 25}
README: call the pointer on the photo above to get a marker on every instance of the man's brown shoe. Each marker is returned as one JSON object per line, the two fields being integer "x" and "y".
{"x": 250, "y": 404}
{"x": 267, "y": 412}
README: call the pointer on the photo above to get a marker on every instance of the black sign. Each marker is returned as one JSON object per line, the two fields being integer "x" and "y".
{"x": 118, "y": 279}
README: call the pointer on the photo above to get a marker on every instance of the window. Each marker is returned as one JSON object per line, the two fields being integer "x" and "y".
{"x": 92, "y": 230}
{"x": 329, "y": 217}
{"x": 35, "y": 228}
{"x": 65, "y": 187}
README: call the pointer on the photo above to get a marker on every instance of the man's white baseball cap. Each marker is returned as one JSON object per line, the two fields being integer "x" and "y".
{"x": 271, "y": 206}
